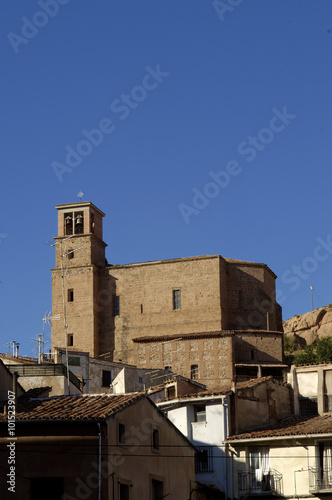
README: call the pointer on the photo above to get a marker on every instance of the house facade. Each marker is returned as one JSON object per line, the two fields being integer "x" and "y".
{"x": 207, "y": 418}
{"x": 291, "y": 459}
{"x": 102, "y": 447}
{"x": 312, "y": 386}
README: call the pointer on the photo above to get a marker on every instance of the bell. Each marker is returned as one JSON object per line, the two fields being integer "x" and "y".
{"x": 79, "y": 219}
{"x": 68, "y": 219}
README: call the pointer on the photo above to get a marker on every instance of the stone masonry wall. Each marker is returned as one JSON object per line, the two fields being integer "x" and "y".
{"x": 213, "y": 354}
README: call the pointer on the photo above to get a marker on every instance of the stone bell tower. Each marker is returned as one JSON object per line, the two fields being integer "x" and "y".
{"x": 79, "y": 262}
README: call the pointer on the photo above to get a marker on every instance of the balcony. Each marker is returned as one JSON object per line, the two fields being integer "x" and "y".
{"x": 49, "y": 369}
{"x": 256, "y": 483}
{"x": 320, "y": 480}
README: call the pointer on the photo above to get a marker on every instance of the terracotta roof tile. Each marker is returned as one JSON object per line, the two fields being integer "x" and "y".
{"x": 217, "y": 333}
{"x": 292, "y": 426}
{"x": 227, "y": 389}
{"x": 81, "y": 407}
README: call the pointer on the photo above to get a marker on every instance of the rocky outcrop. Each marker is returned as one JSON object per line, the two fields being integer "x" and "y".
{"x": 310, "y": 326}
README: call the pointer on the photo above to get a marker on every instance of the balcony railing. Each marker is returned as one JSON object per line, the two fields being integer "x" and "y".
{"x": 320, "y": 479}
{"x": 46, "y": 370}
{"x": 257, "y": 483}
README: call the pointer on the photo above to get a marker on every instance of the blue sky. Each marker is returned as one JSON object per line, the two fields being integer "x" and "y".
{"x": 198, "y": 127}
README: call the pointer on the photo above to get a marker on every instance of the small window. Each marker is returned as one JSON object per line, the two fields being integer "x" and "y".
{"x": 252, "y": 354}
{"x": 124, "y": 491}
{"x": 74, "y": 361}
{"x": 122, "y": 433}
{"x": 116, "y": 305}
{"x": 70, "y": 295}
{"x": 308, "y": 406}
{"x": 70, "y": 339}
{"x": 70, "y": 254}
{"x": 170, "y": 392}
{"x": 203, "y": 459}
{"x": 106, "y": 378}
{"x": 194, "y": 372}
{"x": 200, "y": 413}
{"x": 140, "y": 380}
{"x": 92, "y": 222}
{"x": 141, "y": 308}
{"x": 157, "y": 489}
{"x": 155, "y": 439}
{"x": 176, "y": 299}
{"x": 40, "y": 487}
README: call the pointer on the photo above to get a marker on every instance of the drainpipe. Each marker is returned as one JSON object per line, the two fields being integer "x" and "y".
{"x": 99, "y": 461}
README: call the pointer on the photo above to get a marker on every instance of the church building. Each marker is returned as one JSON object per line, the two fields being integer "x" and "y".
{"x": 207, "y": 318}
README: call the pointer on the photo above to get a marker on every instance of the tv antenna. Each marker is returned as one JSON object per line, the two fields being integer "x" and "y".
{"x": 15, "y": 345}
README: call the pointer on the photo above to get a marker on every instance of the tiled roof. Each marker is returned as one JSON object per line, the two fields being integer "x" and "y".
{"x": 217, "y": 333}
{"x": 227, "y": 389}
{"x": 82, "y": 407}
{"x": 292, "y": 426}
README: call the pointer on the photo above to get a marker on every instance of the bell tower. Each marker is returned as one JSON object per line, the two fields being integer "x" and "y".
{"x": 79, "y": 264}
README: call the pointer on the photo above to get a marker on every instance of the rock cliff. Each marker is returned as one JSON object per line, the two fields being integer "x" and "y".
{"x": 310, "y": 326}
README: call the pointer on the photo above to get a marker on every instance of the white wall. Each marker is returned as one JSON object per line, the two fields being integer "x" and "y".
{"x": 212, "y": 433}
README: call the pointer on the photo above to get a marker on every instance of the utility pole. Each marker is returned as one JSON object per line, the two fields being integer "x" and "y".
{"x": 312, "y": 297}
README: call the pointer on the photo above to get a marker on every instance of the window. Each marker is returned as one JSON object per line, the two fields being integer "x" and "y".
{"x": 122, "y": 433}
{"x": 168, "y": 369}
{"x": 176, "y": 299}
{"x": 70, "y": 339}
{"x": 70, "y": 295}
{"x": 157, "y": 489}
{"x": 170, "y": 392}
{"x": 200, "y": 413}
{"x": 70, "y": 254}
{"x": 203, "y": 459}
{"x": 155, "y": 439}
{"x": 92, "y": 222}
{"x": 259, "y": 465}
{"x": 194, "y": 372}
{"x": 124, "y": 491}
{"x": 141, "y": 308}
{"x": 116, "y": 305}
{"x": 324, "y": 472}
{"x": 252, "y": 354}
{"x": 140, "y": 380}
{"x": 74, "y": 361}
{"x": 106, "y": 378}
{"x": 308, "y": 406}
{"x": 52, "y": 487}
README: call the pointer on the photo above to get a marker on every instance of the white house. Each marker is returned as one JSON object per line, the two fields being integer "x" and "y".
{"x": 292, "y": 459}
{"x": 208, "y": 417}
